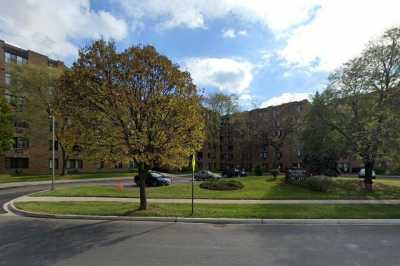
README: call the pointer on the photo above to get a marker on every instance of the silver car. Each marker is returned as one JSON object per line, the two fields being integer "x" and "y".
{"x": 205, "y": 175}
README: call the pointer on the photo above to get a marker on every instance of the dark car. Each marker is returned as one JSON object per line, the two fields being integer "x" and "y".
{"x": 234, "y": 172}
{"x": 154, "y": 179}
{"x": 205, "y": 175}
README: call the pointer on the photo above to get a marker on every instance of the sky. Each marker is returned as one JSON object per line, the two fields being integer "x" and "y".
{"x": 267, "y": 52}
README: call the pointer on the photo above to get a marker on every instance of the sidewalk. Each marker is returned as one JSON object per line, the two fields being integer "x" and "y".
{"x": 204, "y": 201}
{"x": 36, "y": 183}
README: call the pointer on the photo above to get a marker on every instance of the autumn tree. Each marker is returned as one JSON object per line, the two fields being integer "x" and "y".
{"x": 6, "y": 128}
{"x": 361, "y": 101}
{"x": 136, "y": 104}
{"x": 38, "y": 88}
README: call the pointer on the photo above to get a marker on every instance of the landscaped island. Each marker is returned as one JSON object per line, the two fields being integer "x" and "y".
{"x": 255, "y": 187}
{"x": 298, "y": 211}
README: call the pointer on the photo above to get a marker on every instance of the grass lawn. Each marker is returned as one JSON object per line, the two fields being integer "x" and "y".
{"x": 305, "y": 211}
{"x": 254, "y": 188}
{"x": 25, "y": 178}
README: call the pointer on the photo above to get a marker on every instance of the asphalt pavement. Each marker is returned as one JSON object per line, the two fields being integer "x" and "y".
{"x": 7, "y": 194}
{"x": 30, "y": 241}
{"x": 27, "y": 241}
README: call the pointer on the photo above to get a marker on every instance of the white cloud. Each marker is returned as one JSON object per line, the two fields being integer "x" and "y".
{"x": 226, "y": 74}
{"x": 242, "y": 33}
{"x": 229, "y": 33}
{"x": 285, "y": 98}
{"x": 48, "y": 26}
{"x": 339, "y": 31}
{"x": 232, "y": 34}
{"x": 317, "y": 34}
{"x": 276, "y": 15}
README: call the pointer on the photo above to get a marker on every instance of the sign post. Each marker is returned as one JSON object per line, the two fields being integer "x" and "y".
{"x": 193, "y": 168}
{"x": 53, "y": 164}
{"x": 296, "y": 175}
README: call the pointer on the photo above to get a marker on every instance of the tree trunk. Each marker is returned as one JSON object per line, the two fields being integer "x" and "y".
{"x": 142, "y": 186}
{"x": 369, "y": 167}
{"x": 63, "y": 159}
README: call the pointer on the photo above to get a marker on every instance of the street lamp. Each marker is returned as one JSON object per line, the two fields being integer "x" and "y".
{"x": 53, "y": 168}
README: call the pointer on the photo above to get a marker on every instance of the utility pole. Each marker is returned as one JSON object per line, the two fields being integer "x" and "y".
{"x": 53, "y": 164}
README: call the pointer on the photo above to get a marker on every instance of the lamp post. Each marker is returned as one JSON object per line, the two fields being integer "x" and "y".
{"x": 53, "y": 165}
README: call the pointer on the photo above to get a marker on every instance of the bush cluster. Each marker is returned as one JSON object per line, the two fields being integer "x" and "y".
{"x": 258, "y": 171}
{"x": 317, "y": 183}
{"x": 222, "y": 185}
{"x": 274, "y": 173}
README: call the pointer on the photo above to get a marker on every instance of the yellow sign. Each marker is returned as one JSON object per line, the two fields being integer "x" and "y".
{"x": 193, "y": 162}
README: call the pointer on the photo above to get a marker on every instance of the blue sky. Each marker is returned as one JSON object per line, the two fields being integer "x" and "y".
{"x": 266, "y": 52}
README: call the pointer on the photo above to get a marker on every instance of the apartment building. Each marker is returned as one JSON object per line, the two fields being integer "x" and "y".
{"x": 266, "y": 137}
{"x": 32, "y": 151}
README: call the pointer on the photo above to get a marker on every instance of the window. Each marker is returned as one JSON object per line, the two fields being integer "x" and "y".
{"x": 100, "y": 165}
{"x": 118, "y": 165}
{"x": 51, "y": 145}
{"x": 74, "y": 164}
{"x": 299, "y": 108}
{"x": 21, "y": 60}
{"x": 264, "y": 155}
{"x": 275, "y": 113}
{"x": 21, "y": 124}
{"x": 51, "y": 163}
{"x": 7, "y": 78}
{"x": 12, "y": 58}
{"x": 15, "y": 163}
{"x": 52, "y": 63}
{"x": 21, "y": 143}
{"x": 76, "y": 148}
{"x": 131, "y": 164}
{"x": 264, "y": 148}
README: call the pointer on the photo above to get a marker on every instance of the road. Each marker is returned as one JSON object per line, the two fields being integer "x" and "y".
{"x": 29, "y": 241}
{"x": 9, "y": 194}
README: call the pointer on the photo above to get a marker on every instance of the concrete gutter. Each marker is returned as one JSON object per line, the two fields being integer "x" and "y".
{"x": 200, "y": 201}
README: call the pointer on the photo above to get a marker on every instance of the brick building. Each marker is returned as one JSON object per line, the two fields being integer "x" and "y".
{"x": 32, "y": 152}
{"x": 266, "y": 137}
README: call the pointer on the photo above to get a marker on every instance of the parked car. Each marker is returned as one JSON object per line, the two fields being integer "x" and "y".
{"x": 154, "y": 179}
{"x": 361, "y": 174}
{"x": 205, "y": 175}
{"x": 234, "y": 172}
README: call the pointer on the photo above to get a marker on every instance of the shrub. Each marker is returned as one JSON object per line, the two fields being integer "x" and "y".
{"x": 275, "y": 173}
{"x": 222, "y": 185}
{"x": 317, "y": 183}
{"x": 258, "y": 171}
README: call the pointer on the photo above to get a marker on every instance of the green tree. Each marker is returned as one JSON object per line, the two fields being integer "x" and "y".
{"x": 38, "y": 89}
{"x": 322, "y": 146}
{"x": 361, "y": 101}
{"x": 137, "y": 105}
{"x": 6, "y": 128}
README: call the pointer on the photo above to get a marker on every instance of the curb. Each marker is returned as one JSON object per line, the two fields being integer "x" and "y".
{"x": 366, "y": 222}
